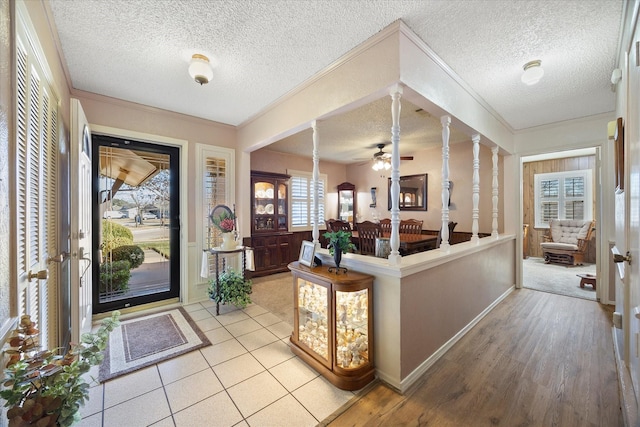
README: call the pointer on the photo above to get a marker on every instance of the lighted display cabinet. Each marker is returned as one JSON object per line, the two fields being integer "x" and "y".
{"x": 347, "y": 199}
{"x": 333, "y": 324}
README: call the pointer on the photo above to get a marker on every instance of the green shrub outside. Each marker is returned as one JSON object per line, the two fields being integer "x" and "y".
{"x": 132, "y": 253}
{"x": 114, "y": 276}
{"x": 115, "y": 235}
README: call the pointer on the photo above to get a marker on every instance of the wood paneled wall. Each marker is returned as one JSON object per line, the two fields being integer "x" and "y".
{"x": 528, "y": 196}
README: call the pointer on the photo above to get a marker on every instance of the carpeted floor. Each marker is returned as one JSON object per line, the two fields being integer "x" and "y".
{"x": 275, "y": 293}
{"x": 557, "y": 279}
{"x": 146, "y": 340}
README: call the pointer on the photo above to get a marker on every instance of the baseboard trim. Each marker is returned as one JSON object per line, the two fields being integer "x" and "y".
{"x": 628, "y": 403}
{"x": 408, "y": 381}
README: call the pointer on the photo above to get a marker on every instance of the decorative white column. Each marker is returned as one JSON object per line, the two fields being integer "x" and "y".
{"x": 475, "y": 187}
{"x": 315, "y": 233}
{"x": 494, "y": 192}
{"x": 394, "y": 257}
{"x": 444, "y": 231}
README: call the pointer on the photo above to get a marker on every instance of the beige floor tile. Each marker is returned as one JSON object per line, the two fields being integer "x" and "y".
{"x": 217, "y": 410}
{"x": 232, "y": 317}
{"x": 165, "y": 422}
{"x": 256, "y": 393}
{"x": 286, "y": 412}
{"x": 190, "y": 390}
{"x": 94, "y": 420}
{"x": 267, "y": 319}
{"x": 243, "y": 327}
{"x": 254, "y": 310}
{"x": 216, "y": 336}
{"x": 199, "y": 315}
{"x": 131, "y": 385}
{"x": 281, "y": 329}
{"x": 141, "y": 411}
{"x": 293, "y": 373}
{"x": 94, "y": 405}
{"x": 256, "y": 339}
{"x": 321, "y": 398}
{"x": 182, "y": 366}
{"x": 208, "y": 324}
{"x": 272, "y": 354}
{"x": 208, "y": 304}
{"x": 216, "y": 354}
{"x": 192, "y": 307}
{"x": 236, "y": 370}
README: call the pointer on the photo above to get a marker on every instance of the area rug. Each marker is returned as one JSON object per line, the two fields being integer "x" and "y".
{"x": 146, "y": 340}
{"x": 274, "y": 293}
{"x": 557, "y": 279}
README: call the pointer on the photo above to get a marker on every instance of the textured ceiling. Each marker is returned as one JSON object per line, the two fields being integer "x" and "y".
{"x": 139, "y": 51}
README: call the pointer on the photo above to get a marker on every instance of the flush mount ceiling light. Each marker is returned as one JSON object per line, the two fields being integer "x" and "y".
{"x": 200, "y": 69}
{"x": 533, "y": 72}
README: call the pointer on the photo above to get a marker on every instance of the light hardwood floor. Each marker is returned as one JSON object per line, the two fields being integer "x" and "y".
{"x": 537, "y": 359}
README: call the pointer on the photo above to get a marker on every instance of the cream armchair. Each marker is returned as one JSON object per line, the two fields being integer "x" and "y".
{"x": 566, "y": 241}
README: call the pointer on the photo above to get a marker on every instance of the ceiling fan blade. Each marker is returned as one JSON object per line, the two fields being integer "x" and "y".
{"x": 406, "y": 157}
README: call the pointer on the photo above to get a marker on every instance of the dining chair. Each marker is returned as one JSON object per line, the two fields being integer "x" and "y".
{"x": 367, "y": 233}
{"x": 452, "y": 225}
{"x": 411, "y": 226}
{"x": 337, "y": 224}
{"x": 385, "y": 226}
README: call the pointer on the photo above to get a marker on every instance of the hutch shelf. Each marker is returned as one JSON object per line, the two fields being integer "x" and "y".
{"x": 333, "y": 324}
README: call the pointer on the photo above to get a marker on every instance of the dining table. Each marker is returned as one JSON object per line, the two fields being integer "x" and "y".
{"x": 409, "y": 243}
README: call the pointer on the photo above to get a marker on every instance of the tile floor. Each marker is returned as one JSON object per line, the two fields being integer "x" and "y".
{"x": 246, "y": 377}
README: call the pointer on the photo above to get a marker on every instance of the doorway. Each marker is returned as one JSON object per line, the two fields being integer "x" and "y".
{"x": 558, "y": 185}
{"x": 137, "y": 221}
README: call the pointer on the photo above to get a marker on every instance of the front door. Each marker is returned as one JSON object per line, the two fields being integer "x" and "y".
{"x": 137, "y": 223}
{"x": 81, "y": 227}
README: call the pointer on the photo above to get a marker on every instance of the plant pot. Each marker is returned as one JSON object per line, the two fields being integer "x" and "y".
{"x": 337, "y": 257}
{"x": 228, "y": 242}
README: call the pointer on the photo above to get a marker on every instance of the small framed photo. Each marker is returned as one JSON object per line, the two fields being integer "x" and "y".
{"x": 307, "y": 252}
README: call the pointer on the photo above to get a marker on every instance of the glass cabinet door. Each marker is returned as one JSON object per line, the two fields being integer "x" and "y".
{"x": 352, "y": 329}
{"x": 263, "y": 206}
{"x": 313, "y": 326}
{"x": 282, "y": 207}
{"x": 347, "y": 209}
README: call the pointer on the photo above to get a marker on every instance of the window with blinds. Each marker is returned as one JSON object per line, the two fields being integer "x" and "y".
{"x": 562, "y": 195}
{"x": 302, "y": 199}
{"x": 215, "y": 184}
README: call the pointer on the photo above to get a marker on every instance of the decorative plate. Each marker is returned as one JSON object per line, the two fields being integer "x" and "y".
{"x": 269, "y": 209}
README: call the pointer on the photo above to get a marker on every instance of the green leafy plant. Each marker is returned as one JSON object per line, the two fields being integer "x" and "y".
{"x": 232, "y": 288}
{"x": 132, "y": 253}
{"x": 114, "y": 276}
{"x": 339, "y": 240}
{"x": 115, "y": 235}
{"x": 42, "y": 388}
{"x": 225, "y": 221}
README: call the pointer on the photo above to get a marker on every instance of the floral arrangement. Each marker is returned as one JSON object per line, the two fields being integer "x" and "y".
{"x": 225, "y": 222}
{"x": 43, "y": 388}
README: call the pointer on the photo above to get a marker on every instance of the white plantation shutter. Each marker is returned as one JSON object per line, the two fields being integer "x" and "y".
{"x": 37, "y": 147}
{"x": 302, "y": 199}
{"x": 562, "y": 195}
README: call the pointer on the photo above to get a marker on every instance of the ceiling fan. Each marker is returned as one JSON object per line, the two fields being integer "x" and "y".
{"x": 382, "y": 160}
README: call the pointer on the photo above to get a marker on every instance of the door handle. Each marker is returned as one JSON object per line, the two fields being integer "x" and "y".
{"x": 622, "y": 258}
{"x": 57, "y": 258}
{"x": 40, "y": 275}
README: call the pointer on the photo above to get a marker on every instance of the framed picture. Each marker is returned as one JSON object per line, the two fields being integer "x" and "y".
{"x": 413, "y": 193}
{"x": 307, "y": 251}
{"x": 618, "y": 140}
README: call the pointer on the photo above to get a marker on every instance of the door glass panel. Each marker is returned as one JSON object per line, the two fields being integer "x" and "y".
{"x": 134, "y": 206}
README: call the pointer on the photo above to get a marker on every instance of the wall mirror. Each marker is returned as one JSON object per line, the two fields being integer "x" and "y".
{"x": 347, "y": 203}
{"x": 413, "y": 193}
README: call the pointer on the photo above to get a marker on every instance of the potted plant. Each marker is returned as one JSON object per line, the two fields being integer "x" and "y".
{"x": 339, "y": 242}
{"x": 231, "y": 287}
{"x": 43, "y": 388}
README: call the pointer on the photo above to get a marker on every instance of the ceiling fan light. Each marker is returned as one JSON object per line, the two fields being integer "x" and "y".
{"x": 533, "y": 72}
{"x": 387, "y": 165}
{"x": 200, "y": 69}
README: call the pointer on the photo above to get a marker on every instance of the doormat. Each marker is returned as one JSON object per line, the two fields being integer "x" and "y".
{"x": 147, "y": 340}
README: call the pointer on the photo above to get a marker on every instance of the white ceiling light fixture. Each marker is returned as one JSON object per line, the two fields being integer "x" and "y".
{"x": 533, "y": 72}
{"x": 381, "y": 160}
{"x": 200, "y": 69}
